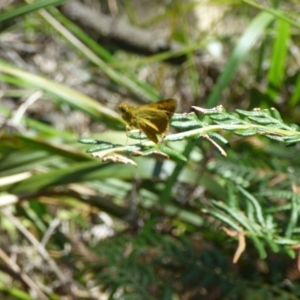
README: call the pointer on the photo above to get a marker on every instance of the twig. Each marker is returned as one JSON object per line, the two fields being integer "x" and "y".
{"x": 241, "y": 242}
{"x": 215, "y": 144}
{"x": 24, "y": 106}
{"x": 25, "y": 278}
{"x": 118, "y": 31}
{"x": 39, "y": 247}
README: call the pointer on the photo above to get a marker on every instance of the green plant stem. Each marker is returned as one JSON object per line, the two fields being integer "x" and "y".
{"x": 166, "y": 194}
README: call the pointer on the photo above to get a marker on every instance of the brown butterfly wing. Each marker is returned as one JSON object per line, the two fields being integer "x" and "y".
{"x": 158, "y": 114}
{"x": 149, "y": 131}
{"x": 152, "y": 122}
{"x": 167, "y": 105}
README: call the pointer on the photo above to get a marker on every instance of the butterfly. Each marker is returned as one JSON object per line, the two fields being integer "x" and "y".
{"x": 152, "y": 119}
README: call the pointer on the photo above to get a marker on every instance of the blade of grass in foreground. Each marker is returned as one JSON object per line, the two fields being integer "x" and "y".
{"x": 250, "y": 36}
{"x": 28, "y": 8}
{"x": 277, "y": 63}
{"x": 65, "y": 94}
{"x": 97, "y": 55}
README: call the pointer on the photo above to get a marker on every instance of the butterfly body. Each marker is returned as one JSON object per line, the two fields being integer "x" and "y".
{"x": 152, "y": 119}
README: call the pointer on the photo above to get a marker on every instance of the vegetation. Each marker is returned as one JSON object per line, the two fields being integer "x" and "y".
{"x": 211, "y": 212}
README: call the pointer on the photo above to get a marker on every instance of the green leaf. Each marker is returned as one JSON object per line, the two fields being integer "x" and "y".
{"x": 257, "y": 208}
{"x": 172, "y": 153}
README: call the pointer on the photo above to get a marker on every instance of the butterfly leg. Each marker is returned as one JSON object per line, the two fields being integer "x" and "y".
{"x": 140, "y": 137}
{"x": 127, "y": 131}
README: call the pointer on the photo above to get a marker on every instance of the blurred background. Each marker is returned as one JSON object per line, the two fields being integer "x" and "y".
{"x": 210, "y": 227}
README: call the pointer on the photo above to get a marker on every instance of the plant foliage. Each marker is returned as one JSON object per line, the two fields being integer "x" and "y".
{"x": 210, "y": 212}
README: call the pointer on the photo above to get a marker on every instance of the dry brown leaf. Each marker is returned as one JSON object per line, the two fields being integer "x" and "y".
{"x": 119, "y": 159}
{"x": 241, "y": 242}
{"x": 218, "y": 108}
